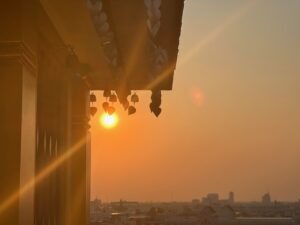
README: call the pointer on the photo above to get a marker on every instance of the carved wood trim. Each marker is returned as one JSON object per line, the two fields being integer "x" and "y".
{"x": 20, "y": 52}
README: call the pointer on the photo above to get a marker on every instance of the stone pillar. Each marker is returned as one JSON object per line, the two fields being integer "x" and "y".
{"x": 78, "y": 164}
{"x": 18, "y": 110}
{"x": 17, "y": 140}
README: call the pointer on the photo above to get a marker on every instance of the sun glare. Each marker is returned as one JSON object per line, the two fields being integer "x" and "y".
{"x": 109, "y": 121}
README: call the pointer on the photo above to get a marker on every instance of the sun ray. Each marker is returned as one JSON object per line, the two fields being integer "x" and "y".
{"x": 134, "y": 54}
{"x": 215, "y": 33}
{"x": 210, "y": 37}
{"x": 13, "y": 198}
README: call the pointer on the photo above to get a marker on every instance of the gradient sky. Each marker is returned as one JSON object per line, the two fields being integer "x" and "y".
{"x": 232, "y": 121}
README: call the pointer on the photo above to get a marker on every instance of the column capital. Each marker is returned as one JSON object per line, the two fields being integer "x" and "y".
{"x": 18, "y": 51}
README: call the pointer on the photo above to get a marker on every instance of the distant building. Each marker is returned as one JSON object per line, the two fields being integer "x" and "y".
{"x": 211, "y": 198}
{"x": 231, "y": 197}
{"x": 95, "y": 206}
{"x": 95, "y": 210}
{"x": 195, "y": 213}
{"x": 195, "y": 201}
{"x": 225, "y": 215}
{"x": 266, "y": 198}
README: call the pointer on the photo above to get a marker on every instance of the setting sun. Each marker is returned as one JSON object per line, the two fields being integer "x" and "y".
{"x": 109, "y": 121}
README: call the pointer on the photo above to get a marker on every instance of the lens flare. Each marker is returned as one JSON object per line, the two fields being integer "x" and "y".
{"x": 109, "y": 121}
{"x": 197, "y": 96}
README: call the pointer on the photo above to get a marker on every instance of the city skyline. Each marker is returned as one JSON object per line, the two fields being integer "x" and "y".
{"x": 201, "y": 199}
{"x": 150, "y": 112}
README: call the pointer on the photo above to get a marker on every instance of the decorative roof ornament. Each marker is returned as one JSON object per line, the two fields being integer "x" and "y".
{"x": 105, "y": 106}
{"x": 93, "y": 110}
{"x": 158, "y": 56}
{"x": 104, "y": 31}
{"x": 110, "y": 49}
{"x": 123, "y": 94}
{"x": 113, "y": 98}
{"x": 134, "y": 98}
{"x": 93, "y": 99}
{"x": 154, "y": 15}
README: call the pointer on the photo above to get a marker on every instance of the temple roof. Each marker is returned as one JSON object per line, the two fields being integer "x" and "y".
{"x": 128, "y": 21}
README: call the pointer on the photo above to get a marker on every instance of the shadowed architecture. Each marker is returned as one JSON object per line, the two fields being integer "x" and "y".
{"x": 52, "y": 54}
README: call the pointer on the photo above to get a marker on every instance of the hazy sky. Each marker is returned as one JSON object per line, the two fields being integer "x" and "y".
{"x": 232, "y": 121}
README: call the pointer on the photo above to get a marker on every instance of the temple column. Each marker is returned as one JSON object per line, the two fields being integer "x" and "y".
{"x": 78, "y": 191}
{"x": 17, "y": 133}
{"x": 18, "y": 78}
{"x": 17, "y": 141}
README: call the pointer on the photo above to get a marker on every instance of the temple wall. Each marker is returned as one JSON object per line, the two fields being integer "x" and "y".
{"x": 43, "y": 115}
{"x": 10, "y": 141}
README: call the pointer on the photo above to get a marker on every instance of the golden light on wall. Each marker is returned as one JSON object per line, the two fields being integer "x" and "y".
{"x": 109, "y": 121}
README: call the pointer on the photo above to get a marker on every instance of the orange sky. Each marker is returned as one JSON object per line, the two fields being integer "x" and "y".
{"x": 232, "y": 120}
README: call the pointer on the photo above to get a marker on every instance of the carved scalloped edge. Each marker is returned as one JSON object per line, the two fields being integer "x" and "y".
{"x": 103, "y": 29}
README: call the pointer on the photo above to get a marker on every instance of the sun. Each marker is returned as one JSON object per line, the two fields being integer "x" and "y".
{"x": 109, "y": 121}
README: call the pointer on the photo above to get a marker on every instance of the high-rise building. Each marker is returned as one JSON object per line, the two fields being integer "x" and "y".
{"x": 231, "y": 197}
